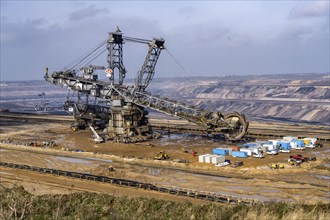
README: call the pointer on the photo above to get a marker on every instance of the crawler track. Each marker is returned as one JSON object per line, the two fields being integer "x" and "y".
{"x": 131, "y": 183}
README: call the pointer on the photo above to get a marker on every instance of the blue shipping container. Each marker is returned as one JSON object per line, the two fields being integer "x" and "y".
{"x": 220, "y": 151}
{"x": 239, "y": 154}
{"x": 284, "y": 145}
{"x": 249, "y": 145}
{"x": 300, "y": 143}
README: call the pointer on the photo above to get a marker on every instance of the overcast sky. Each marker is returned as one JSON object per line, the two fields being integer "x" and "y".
{"x": 208, "y": 38}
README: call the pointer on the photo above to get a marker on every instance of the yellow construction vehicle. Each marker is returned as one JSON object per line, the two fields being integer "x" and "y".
{"x": 277, "y": 166}
{"x": 161, "y": 156}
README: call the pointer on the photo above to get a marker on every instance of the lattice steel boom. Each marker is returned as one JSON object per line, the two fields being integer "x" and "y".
{"x": 127, "y": 113}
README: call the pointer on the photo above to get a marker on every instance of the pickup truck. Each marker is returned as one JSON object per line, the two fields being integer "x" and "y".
{"x": 272, "y": 152}
{"x": 222, "y": 164}
{"x": 259, "y": 155}
{"x": 300, "y": 148}
{"x": 285, "y": 151}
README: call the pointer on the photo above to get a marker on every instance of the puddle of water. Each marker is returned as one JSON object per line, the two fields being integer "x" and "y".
{"x": 205, "y": 177}
{"x": 182, "y": 181}
{"x": 239, "y": 187}
{"x": 269, "y": 191}
{"x": 173, "y": 137}
{"x": 48, "y": 161}
{"x": 99, "y": 159}
{"x": 154, "y": 172}
{"x": 219, "y": 178}
{"x": 322, "y": 177}
{"x": 73, "y": 160}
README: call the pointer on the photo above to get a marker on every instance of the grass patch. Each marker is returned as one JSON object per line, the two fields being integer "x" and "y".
{"x": 16, "y": 203}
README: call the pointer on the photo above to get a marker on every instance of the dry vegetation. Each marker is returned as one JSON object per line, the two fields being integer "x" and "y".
{"x": 16, "y": 203}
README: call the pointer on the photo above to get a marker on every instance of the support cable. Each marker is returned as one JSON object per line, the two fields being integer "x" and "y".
{"x": 74, "y": 63}
{"x": 87, "y": 62}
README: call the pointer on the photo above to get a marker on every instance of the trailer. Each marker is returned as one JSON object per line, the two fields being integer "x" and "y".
{"x": 239, "y": 154}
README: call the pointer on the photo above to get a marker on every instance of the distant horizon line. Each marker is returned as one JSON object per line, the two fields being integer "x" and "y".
{"x": 180, "y": 77}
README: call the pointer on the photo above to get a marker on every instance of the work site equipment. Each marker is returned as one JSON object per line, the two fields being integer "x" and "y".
{"x": 186, "y": 149}
{"x": 293, "y": 161}
{"x": 237, "y": 164}
{"x": 125, "y": 119}
{"x": 299, "y": 157}
{"x": 161, "y": 156}
{"x": 96, "y": 137}
{"x": 277, "y": 166}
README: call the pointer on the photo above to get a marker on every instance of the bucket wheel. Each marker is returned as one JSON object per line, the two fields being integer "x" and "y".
{"x": 237, "y": 126}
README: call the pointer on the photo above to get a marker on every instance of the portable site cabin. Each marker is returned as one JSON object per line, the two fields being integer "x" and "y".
{"x": 217, "y": 159}
{"x": 297, "y": 144}
{"x": 201, "y": 158}
{"x": 209, "y": 158}
{"x": 247, "y": 150}
{"x": 284, "y": 145}
{"x": 268, "y": 146}
{"x": 220, "y": 151}
{"x": 239, "y": 154}
{"x": 274, "y": 142}
{"x": 251, "y": 145}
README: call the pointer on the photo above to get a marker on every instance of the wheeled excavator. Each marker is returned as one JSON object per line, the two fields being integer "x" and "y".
{"x": 124, "y": 118}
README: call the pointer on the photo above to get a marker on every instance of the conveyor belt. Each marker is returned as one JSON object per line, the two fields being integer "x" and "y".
{"x": 131, "y": 183}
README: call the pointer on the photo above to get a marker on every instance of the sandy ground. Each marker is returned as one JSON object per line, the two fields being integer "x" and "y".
{"x": 254, "y": 180}
{"x": 41, "y": 184}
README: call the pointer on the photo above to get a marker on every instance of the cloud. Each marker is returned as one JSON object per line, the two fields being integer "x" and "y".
{"x": 294, "y": 32}
{"x": 186, "y": 10}
{"x": 313, "y": 9}
{"x": 32, "y": 44}
{"x": 200, "y": 39}
{"x": 206, "y": 35}
{"x": 89, "y": 12}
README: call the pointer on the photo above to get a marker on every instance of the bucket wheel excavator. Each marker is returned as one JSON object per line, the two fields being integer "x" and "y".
{"x": 125, "y": 117}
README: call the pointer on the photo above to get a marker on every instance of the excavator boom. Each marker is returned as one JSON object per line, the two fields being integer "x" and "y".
{"x": 128, "y": 102}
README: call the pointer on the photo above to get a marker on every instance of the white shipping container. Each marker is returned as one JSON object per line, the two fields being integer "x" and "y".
{"x": 293, "y": 145}
{"x": 248, "y": 151}
{"x": 217, "y": 159}
{"x": 274, "y": 142}
{"x": 255, "y": 150}
{"x": 201, "y": 158}
{"x": 208, "y": 158}
{"x": 265, "y": 148}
